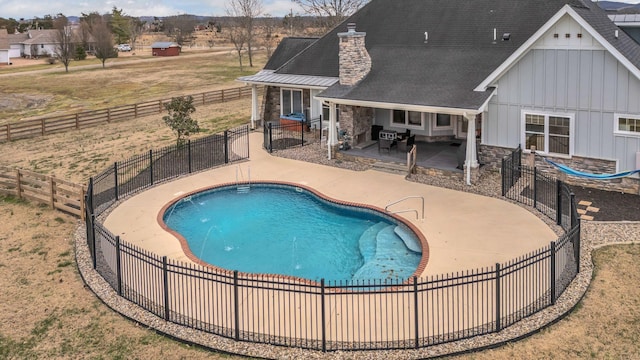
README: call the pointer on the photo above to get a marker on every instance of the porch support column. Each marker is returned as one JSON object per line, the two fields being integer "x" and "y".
{"x": 471, "y": 160}
{"x": 254, "y": 105}
{"x": 332, "y": 136}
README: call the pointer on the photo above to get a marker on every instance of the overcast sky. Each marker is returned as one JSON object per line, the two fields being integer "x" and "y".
{"x": 31, "y": 8}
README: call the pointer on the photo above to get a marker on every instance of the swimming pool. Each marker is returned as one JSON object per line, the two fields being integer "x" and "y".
{"x": 290, "y": 230}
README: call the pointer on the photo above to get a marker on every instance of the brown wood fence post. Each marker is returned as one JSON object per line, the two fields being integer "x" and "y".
{"x": 222, "y": 92}
{"x": 8, "y": 132}
{"x": 83, "y": 193}
{"x": 77, "y": 121}
{"x": 52, "y": 187}
{"x": 135, "y": 110}
{"x": 42, "y": 126}
{"x": 159, "y": 106}
{"x": 18, "y": 184}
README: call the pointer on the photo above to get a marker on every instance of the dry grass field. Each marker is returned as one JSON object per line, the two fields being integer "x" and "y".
{"x": 47, "y": 313}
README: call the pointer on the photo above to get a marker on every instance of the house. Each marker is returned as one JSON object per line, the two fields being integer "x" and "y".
{"x": 40, "y": 43}
{"x": 15, "y": 44}
{"x": 555, "y": 74}
{"x": 5, "y": 57}
{"x": 165, "y": 48}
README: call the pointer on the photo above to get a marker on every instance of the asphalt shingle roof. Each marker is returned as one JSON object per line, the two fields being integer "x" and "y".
{"x": 287, "y": 49}
{"x": 4, "y": 39}
{"x": 459, "y": 54}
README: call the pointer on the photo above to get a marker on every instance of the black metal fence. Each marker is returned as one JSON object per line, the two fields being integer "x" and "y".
{"x": 329, "y": 316}
{"x": 144, "y": 170}
{"x": 283, "y": 135}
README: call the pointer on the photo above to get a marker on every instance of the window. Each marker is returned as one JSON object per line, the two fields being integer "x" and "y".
{"x": 627, "y": 125}
{"x": 412, "y": 119}
{"x": 443, "y": 121}
{"x": 291, "y": 101}
{"x": 548, "y": 133}
{"x": 325, "y": 113}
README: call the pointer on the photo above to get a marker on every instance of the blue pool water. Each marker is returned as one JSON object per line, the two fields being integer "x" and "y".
{"x": 279, "y": 229}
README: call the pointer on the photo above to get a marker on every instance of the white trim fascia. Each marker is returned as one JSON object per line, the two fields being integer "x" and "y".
{"x": 623, "y": 24}
{"x": 394, "y": 106}
{"x": 282, "y": 85}
{"x": 565, "y": 10}
{"x": 484, "y": 106}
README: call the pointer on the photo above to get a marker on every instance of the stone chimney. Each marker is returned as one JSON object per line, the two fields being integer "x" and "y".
{"x": 354, "y": 59}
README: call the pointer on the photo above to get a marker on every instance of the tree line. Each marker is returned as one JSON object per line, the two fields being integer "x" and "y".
{"x": 98, "y": 33}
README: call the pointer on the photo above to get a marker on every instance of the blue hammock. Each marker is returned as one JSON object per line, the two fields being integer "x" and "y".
{"x": 574, "y": 172}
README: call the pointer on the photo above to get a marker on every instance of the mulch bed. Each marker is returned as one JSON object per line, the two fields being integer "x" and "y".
{"x": 613, "y": 206}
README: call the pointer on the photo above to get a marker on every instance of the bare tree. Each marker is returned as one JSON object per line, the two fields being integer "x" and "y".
{"x": 330, "y": 12}
{"x": 180, "y": 27}
{"x": 104, "y": 46}
{"x": 135, "y": 29}
{"x": 269, "y": 32}
{"x": 244, "y": 13}
{"x": 65, "y": 49}
{"x": 237, "y": 35}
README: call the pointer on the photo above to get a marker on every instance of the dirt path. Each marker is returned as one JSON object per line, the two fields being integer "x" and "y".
{"x": 110, "y": 63}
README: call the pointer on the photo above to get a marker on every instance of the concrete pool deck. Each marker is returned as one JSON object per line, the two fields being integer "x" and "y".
{"x": 463, "y": 230}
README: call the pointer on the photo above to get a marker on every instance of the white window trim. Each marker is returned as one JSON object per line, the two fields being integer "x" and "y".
{"x": 546, "y": 115}
{"x": 617, "y": 131}
{"x": 291, "y": 89}
{"x": 435, "y": 122}
{"x": 406, "y": 124}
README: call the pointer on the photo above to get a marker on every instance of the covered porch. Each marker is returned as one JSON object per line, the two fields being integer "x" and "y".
{"x": 442, "y": 155}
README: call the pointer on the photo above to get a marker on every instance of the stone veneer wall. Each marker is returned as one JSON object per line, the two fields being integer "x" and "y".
{"x": 354, "y": 60}
{"x": 492, "y": 157}
{"x": 271, "y": 103}
{"x": 356, "y": 120}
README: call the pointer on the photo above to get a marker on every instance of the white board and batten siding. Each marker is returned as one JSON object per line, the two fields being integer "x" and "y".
{"x": 569, "y": 75}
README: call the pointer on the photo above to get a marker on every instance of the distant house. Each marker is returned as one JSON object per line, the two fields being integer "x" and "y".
{"x": 36, "y": 43}
{"x": 15, "y": 44}
{"x": 40, "y": 43}
{"x": 165, "y": 48}
{"x": 5, "y": 57}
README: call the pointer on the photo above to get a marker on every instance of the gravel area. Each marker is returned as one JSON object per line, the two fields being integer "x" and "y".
{"x": 594, "y": 234}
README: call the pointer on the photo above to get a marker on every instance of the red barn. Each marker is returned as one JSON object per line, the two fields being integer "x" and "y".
{"x": 165, "y": 48}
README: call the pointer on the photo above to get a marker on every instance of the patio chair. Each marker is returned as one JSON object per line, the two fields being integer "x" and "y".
{"x": 387, "y": 144}
{"x": 406, "y": 144}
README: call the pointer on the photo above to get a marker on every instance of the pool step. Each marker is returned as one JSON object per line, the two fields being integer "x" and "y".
{"x": 368, "y": 241}
{"x": 388, "y": 261}
{"x": 243, "y": 189}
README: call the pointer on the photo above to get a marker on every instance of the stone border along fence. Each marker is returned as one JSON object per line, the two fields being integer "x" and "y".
{"x": 332, "y": 316}
{"x": 57, "y": 193}
{"x": 85, "y": 119}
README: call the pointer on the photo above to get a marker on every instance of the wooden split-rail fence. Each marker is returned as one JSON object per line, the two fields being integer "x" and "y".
{"x": 57, "y": 193}
{"x": 85, "y": 119}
